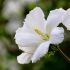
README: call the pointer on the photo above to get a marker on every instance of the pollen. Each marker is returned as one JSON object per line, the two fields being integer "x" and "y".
{"x": 42, "y": 34}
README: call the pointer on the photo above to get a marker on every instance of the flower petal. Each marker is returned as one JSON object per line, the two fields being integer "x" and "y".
{"x": 11, "y": 8}
{"x": 54, "y": 18}
{"x": 66, "y": 20}
{"x": 29, "y": 49}
{"x": 24, "y": 58}
{"x": 57, "y": 35}
{"x": 41, "y": 51}
{"x": 27, "y": 39}
{"x": 24, "y": 29}
{"x": 35, "y": 19}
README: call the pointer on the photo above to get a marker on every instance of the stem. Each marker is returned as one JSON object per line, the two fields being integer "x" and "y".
{"x": 66, "y": 57}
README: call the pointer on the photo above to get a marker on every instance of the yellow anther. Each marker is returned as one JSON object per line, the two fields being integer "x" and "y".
{"x": 42, "y": 34}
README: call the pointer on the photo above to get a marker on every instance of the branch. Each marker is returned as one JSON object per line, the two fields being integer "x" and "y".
{"x": 66, "y": 57}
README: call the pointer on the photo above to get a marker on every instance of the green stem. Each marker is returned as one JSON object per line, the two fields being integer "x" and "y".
{"x": 66, "y": 57}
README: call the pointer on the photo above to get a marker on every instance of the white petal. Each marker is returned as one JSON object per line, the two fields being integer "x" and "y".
{"x": 66, "y": 20}
{"x": 11, "y": 8}
{"x": 41, "y": 51}
{"x": 24, "y": 58}
{"x": 54, "y": 18}
{"x": 35, "y": 19}
{"x": 27, "y": 39}
{"x": 29, "y": 49}
{"x": 57, "y": 35}
{"x": 24, "y": 29}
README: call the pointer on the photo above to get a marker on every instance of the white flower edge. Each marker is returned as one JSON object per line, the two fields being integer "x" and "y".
{"x": 58, "y": 16}
{"x": 54, "y": 18}
{"x": 24, "y": 58}
{"x": 27, "y": 32}
{"x": 41, "y": 51}
{"x": 36, "y": 19}
{"x": 57, "y": 36}
{"x": 66, "y": 19}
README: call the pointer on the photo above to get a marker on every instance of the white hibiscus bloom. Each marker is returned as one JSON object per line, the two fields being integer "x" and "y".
{"x": 65, "y": 17}
{"x": 37, "y": 34}
{"x": 11, "y": 8}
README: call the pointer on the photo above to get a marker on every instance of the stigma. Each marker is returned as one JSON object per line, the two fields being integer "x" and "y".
{"x": 42, "y": 34}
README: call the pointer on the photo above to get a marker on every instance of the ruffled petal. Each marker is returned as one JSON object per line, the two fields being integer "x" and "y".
{"x": 27, "y": 39}
{"x": 66, "y": 20}
{"x": 54, "y": 18}
{"x": 24, "y": 29}
{"x": 41, "y": 51}
{"x": 35, "y": 19}
{"x": 29, "y": 49}
{"x": 57, "y": 35}
{"x": 24, "y": 58}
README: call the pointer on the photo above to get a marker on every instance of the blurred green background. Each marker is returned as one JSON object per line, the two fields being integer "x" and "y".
{"x": 10, "y": 20}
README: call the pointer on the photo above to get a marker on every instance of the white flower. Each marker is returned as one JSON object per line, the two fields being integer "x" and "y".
{"x": 11, "y": 8}
{"x": 66, "y": 19}
{"x": 63, "y": 18}
{"x": 37, "y": 34}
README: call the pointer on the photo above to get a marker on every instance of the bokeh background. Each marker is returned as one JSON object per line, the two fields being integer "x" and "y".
{"x": 12, "y": 14}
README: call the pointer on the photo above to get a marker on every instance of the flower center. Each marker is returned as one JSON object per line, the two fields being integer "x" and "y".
{"x": 42, "y": 34}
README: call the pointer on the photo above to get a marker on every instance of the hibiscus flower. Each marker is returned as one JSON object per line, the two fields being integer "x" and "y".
{"x": 37, "y": 33}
